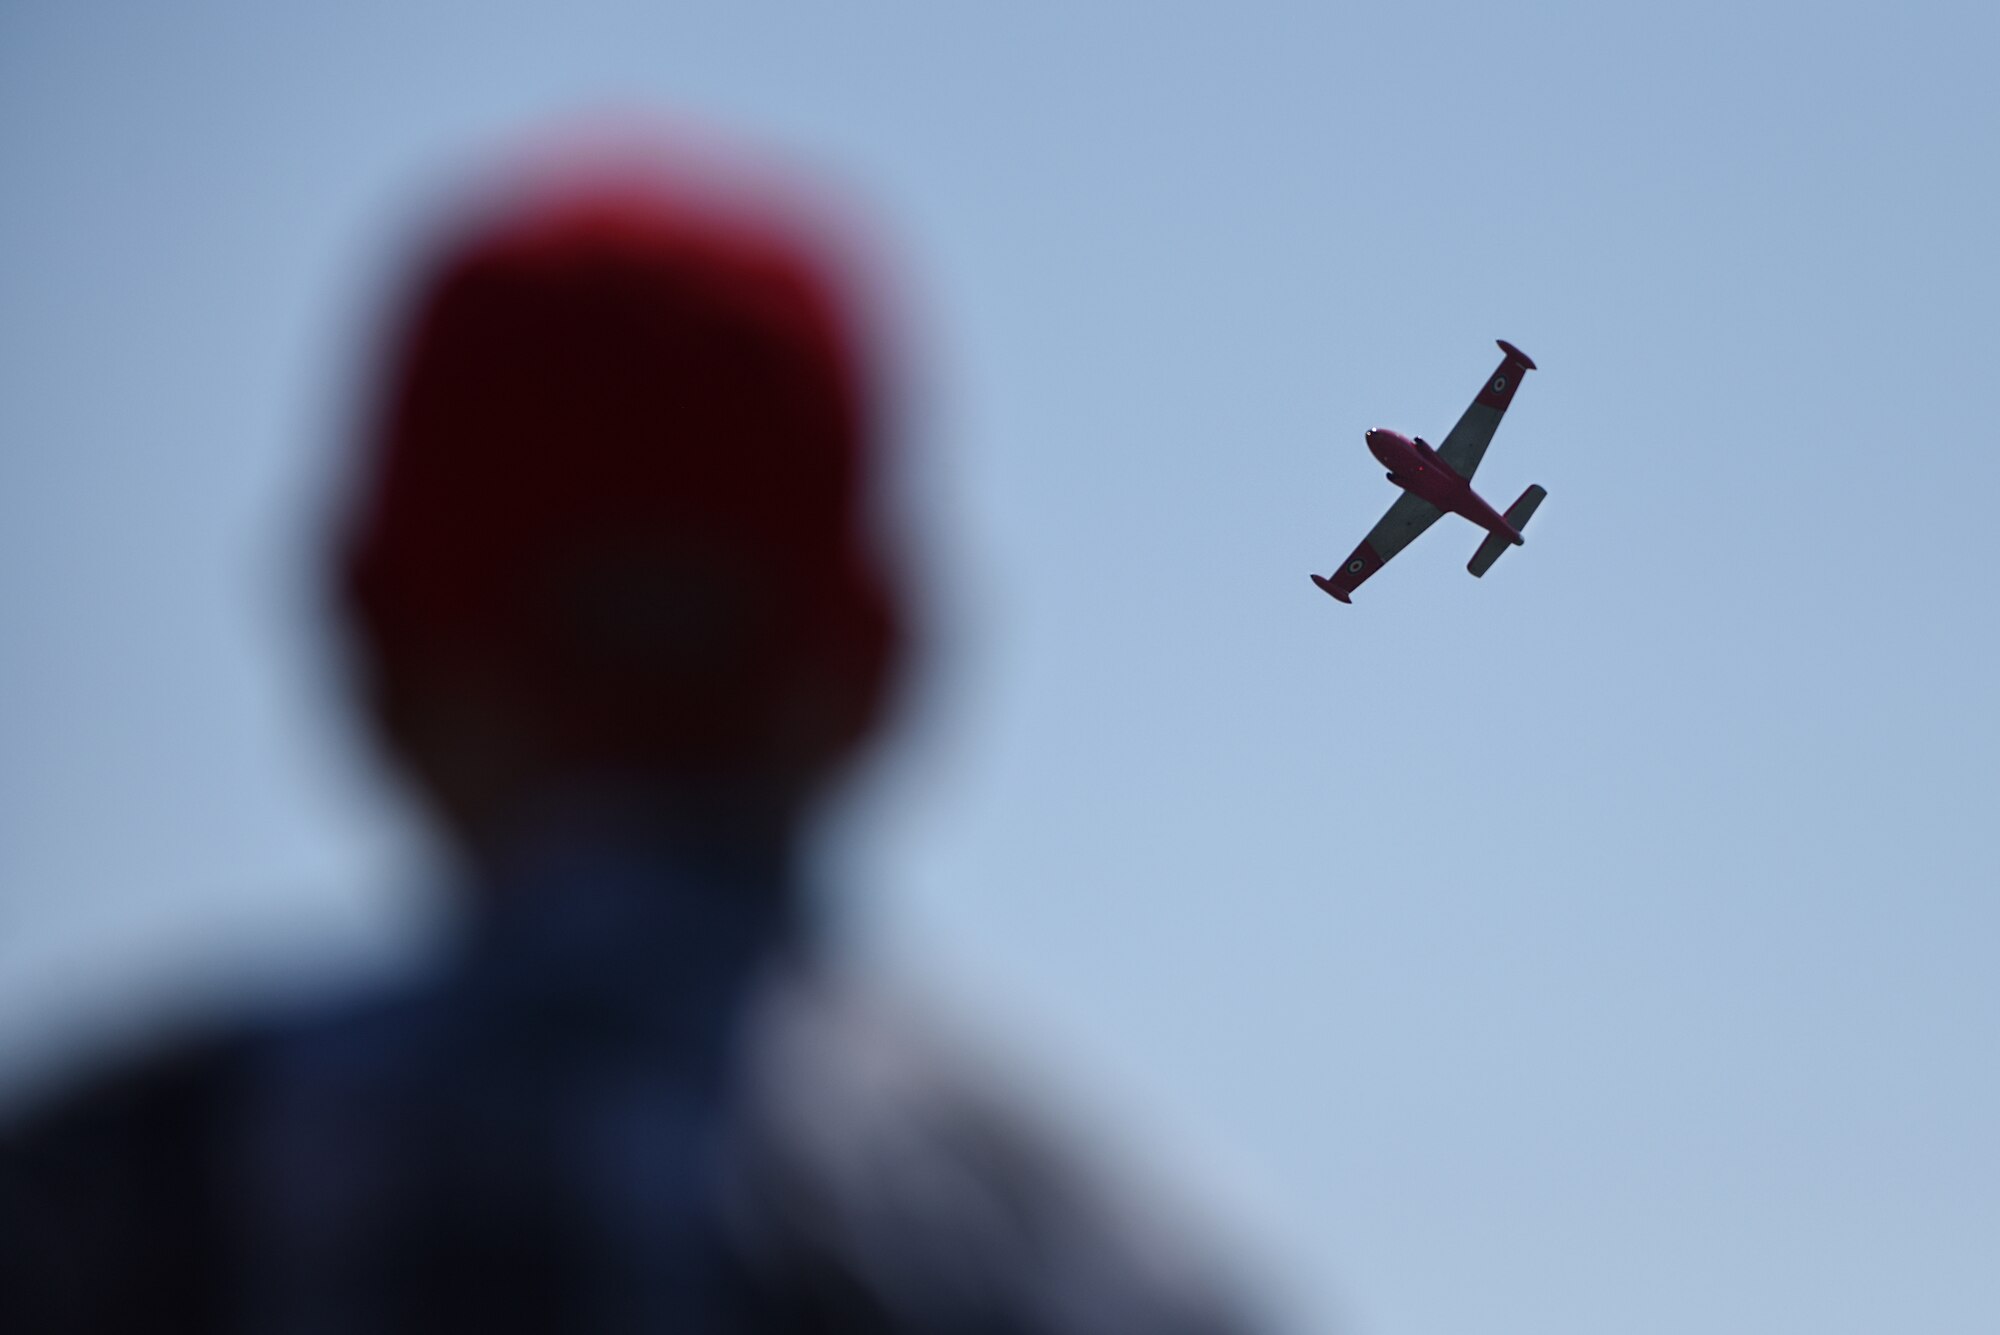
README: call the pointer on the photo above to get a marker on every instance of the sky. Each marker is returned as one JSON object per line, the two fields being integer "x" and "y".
{"x": 1607, "y": 944}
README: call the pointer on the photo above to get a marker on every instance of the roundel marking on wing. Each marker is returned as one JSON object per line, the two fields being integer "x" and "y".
{"x": 1499, "y": 384}
{"x": 1356, "y": 565}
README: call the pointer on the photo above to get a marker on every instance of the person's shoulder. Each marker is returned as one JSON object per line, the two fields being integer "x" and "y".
{"x": 882, "y": 1151}
{"x": 112, "y": 1174}
{"x": 148, "y": 1096}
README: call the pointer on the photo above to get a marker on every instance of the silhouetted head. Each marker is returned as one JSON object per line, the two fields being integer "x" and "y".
{"x": 613, "y": 528}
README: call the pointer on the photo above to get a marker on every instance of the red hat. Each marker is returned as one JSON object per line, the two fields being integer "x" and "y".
{"x": 621, "y": 455}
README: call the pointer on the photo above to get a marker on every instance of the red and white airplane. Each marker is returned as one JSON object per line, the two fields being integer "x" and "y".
{"x": 1438, "y": 480}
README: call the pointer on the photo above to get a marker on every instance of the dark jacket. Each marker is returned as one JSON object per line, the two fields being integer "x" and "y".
{"x": 627, "y": 1105}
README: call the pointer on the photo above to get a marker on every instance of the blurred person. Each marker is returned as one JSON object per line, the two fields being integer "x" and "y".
{"x": 619, "y": 614}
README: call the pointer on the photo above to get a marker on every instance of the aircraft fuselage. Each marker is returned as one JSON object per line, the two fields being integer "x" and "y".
{"x": 1416, "y": 468}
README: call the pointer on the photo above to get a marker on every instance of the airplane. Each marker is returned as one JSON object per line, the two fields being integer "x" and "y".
{"x": 1435, "y": 481}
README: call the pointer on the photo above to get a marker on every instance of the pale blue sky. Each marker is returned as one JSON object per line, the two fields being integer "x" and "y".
{"x": 1607, "y": 945}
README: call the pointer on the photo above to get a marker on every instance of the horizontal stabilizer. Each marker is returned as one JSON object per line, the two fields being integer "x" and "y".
{"x": 1332, "y": 588}
{"x": 1517, "y": 515}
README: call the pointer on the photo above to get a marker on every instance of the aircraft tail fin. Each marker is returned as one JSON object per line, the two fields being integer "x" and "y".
{"x": 1517, "y": 515}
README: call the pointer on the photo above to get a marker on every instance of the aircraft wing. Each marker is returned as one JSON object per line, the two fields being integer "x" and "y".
{"x": 1466, "y": 445}
{"x": 1408, "y": 517}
